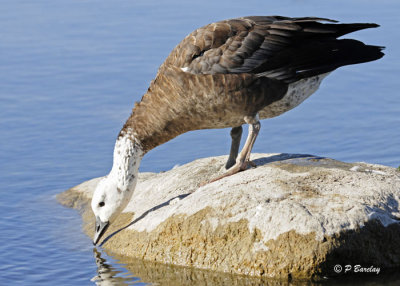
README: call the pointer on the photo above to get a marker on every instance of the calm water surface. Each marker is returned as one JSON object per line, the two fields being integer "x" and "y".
{"x": 70, "y": 71}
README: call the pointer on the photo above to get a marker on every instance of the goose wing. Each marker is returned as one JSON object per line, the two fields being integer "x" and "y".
{"x": 273, "y": 46}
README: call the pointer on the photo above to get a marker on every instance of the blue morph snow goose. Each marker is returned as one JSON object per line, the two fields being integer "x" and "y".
{"x": 226, "y": 74}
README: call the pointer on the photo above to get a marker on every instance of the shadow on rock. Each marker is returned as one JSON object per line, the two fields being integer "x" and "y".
{"x": 180, "y": 197}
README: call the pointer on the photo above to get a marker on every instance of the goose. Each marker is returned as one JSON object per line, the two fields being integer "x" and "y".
{"x": 227, "y": 74}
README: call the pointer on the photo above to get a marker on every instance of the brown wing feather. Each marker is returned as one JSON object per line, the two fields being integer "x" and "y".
{"x": 249, "y": 44}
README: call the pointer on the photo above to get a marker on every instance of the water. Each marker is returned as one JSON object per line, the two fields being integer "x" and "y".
{"x": 70, "y": 71}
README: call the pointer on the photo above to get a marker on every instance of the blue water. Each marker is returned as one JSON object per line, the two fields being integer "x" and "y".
{"x": 70, "y": 71}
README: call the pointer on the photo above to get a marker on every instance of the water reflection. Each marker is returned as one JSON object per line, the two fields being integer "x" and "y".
{"x": 170, "y": 275}
{"x": 152, "y": 273}
{"x": 109, "y": 275}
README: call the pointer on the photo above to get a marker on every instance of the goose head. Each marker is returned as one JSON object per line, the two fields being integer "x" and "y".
{"x": 108, "y": 202}
{"x": 113, "y": 192}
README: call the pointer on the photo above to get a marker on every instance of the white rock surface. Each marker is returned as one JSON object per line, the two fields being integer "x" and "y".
{"x": 319, "y": 204}
{"x": 268, "y": 195}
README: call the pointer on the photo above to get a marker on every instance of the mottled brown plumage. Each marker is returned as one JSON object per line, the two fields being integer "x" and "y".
{"x": 178, "y": 102}
{"x": 227, "y": 70}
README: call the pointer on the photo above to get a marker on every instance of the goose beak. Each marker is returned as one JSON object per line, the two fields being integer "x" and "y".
{"x": 100, "y": 229}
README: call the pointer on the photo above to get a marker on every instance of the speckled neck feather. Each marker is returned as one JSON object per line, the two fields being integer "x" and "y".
{"x": 127, "y": 156}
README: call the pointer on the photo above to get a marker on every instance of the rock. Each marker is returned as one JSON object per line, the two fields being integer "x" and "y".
{"x": 293, "y": 216}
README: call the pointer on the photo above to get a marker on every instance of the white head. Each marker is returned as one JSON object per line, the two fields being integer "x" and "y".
{"x": 114, "y": 191}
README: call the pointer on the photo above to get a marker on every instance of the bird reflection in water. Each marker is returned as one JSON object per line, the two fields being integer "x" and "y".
{"x": 109, "y": 275}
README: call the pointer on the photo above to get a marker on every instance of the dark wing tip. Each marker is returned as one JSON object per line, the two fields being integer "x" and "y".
{"x": 366, "y": 25}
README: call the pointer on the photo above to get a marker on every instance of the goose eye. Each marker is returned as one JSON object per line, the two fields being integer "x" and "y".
{"x": 101, "y": 204}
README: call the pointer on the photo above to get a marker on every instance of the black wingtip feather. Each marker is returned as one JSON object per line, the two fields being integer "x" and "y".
{"x": 341, "y": 53}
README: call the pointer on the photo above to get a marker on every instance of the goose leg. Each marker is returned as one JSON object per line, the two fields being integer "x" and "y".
{"x": 236, "y": 135}
{"x": 243, "y": 160}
